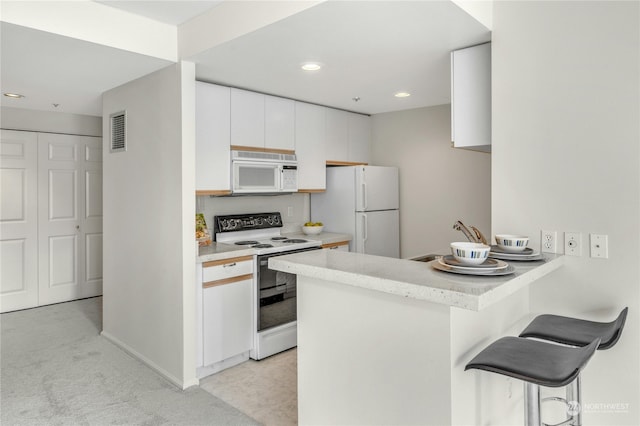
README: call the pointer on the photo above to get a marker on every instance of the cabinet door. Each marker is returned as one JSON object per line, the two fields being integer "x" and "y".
{"x": 69, "y": 217}
{"x": 359, "y": 138}
{"x": 247, "y": 118}
{"x": 227, "y": 313}
{"x": 18, "y": 220}
{"x": 471, "y": 97}
{"x": 279, "y": 130}
{"x": 213, "y": 136}
{"x": 337, "y": 143}
{"x": 310, "y": 150}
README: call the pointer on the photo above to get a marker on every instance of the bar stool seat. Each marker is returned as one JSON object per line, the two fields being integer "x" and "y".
{"x": 540, "y": 363}
{"x": 537, "y": 364}
{"x": 576, "y": 332}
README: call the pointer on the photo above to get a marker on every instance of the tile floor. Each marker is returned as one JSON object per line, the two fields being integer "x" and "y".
{"x": 266, "y": 390}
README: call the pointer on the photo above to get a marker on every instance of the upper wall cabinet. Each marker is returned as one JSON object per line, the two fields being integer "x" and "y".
{"x": 213, "y": 136}
{"x": 247, "y": 118}
{"x": 262, "y": 122}
{"x": 348, "y": 139}
{"x": 279, "y": 126}
{"x": 471, "y": 98}
{"x": 310, "y": 147}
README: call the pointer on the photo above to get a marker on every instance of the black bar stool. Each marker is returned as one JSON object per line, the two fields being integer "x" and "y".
{"x": 537, "y": 364}
{"x": 575, "y": 332}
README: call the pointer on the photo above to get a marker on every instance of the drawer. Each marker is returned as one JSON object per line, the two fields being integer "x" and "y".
{"x": 222, "y": 271}
{"x": 342, "y": 245}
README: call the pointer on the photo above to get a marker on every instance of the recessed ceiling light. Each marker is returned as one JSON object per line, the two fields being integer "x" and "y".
{"x": 402, "y": 95}
{"x": 14, "y": 95}
{"x": 311, "y": 66}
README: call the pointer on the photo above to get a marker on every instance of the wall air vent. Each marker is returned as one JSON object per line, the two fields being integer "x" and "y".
{"x": 119, "y": 131}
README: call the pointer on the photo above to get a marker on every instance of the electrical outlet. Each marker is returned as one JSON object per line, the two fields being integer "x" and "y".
{"x": 289, "y": 211}
{"x": 573, "y": 244}
{"x": 599, "y": 245}
{"x": 548, "y": 241}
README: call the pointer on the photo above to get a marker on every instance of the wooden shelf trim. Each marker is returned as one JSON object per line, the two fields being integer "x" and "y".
{"x": 345, "y": 163}
{"x": 213, "y": 192}
{"x": 226, "y": 261}
{"x": 338, "y": 244}
{"x": 257, "y": 149}
{"x": 225, "y": 281}
{"x": 311, "y": 191}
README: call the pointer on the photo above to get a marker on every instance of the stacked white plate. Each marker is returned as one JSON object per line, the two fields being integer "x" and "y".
{"x": 491, "y": 267}
{"x": 527, "y": 254}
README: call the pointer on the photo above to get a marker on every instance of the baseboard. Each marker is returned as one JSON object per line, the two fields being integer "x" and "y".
{"x": 128, "y": 349}
{"x": 208, "y": 370}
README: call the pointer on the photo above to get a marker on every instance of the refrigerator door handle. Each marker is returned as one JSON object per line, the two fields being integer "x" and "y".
{"x": 364, "y": 196}
{"x": 364, "y": 230}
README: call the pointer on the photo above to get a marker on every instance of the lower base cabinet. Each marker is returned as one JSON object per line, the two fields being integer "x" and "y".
{"x": 224, "y": 313}
{"x": 227, "y": 321}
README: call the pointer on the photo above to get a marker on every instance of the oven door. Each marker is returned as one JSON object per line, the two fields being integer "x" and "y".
{"x": 254, "y": 177}
{"x": 276, "y": 298}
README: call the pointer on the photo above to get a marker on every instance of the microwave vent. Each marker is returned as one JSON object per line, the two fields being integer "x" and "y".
{"x": 262, "y": 156}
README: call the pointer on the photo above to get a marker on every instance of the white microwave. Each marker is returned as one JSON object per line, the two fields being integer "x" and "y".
{"x": 263, "y": 172}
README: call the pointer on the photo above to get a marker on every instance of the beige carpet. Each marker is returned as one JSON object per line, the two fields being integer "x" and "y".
{"x": 266, "y": 390}
{"x": 56, "y": 369}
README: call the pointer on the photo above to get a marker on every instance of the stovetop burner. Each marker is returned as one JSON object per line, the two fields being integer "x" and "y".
{"x": 246, "y": 243}
{"x": 262, "y": 246}
{"x": 279, "y": 238}
{"x": 294, "y": 241}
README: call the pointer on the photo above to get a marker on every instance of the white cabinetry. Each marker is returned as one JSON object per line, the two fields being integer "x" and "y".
{"x": 310, "y": 148}
{"x": 279, "y": 131}
{"x": 213, "y": 136}
{"x": 471, "y": 98}
{"x": 348, "y": 138}
{"x": 262, "y": 122}
{"x": 337, "y": 142}
{"x": 359, "y": 138}
{"x": 226, "y": 313}
{"x": 247, "y": 119}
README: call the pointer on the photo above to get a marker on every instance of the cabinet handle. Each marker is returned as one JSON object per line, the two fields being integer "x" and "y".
{"x": 228, "y": 265}
{"x": 333, "y": 248}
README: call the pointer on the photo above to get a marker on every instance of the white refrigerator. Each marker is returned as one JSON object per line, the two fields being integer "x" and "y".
{"x": 362, "y": 201}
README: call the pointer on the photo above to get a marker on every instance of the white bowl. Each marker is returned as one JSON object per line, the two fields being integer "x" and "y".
{"x": 470, "y": 253}
{"x": 512, "y": 243}
{"x": 312, "y": 230}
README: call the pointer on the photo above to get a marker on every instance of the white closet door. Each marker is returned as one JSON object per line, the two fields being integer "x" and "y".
{"x": 69, "y": 217}
{"x": 18, "y": 220}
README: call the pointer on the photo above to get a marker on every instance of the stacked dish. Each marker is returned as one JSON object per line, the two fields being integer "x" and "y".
{"x": 527, "y": 254}
{"x": 490, "y": 267}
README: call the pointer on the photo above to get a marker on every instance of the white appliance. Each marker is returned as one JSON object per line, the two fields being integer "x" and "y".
{"x": 362, "y": 201}
{"x": 263, "y": 172}
{"x": 274, "y": 301}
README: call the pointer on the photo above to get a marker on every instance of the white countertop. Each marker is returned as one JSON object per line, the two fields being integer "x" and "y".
{"x": 220, "y": 251}
{"x": 412, "y": 279}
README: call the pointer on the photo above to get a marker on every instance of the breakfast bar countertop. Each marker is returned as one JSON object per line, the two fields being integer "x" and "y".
{"x": 416, "y": 280}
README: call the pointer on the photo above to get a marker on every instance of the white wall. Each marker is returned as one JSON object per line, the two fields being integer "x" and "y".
{"x": 149, "y": 250}
{"x": 438, "y": 184}
{"x": 566, "y": 157}
{"x": 50, "y": 122}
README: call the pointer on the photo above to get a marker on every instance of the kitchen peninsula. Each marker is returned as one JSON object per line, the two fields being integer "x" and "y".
{"x": 397, "y": 335}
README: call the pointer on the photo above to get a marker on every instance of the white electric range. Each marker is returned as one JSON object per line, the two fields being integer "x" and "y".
{"x": 275, "y": 292}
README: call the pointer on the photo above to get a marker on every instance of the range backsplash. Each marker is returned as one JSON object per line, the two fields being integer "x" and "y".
{"x": 294, "y": 208}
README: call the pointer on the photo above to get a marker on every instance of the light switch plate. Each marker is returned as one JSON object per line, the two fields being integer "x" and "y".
{"x": 599, "y": 245}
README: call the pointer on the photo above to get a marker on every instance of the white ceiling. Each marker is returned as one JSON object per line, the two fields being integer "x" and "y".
{"x": 370, "y": 49}
{"x": 169, "y": 12}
